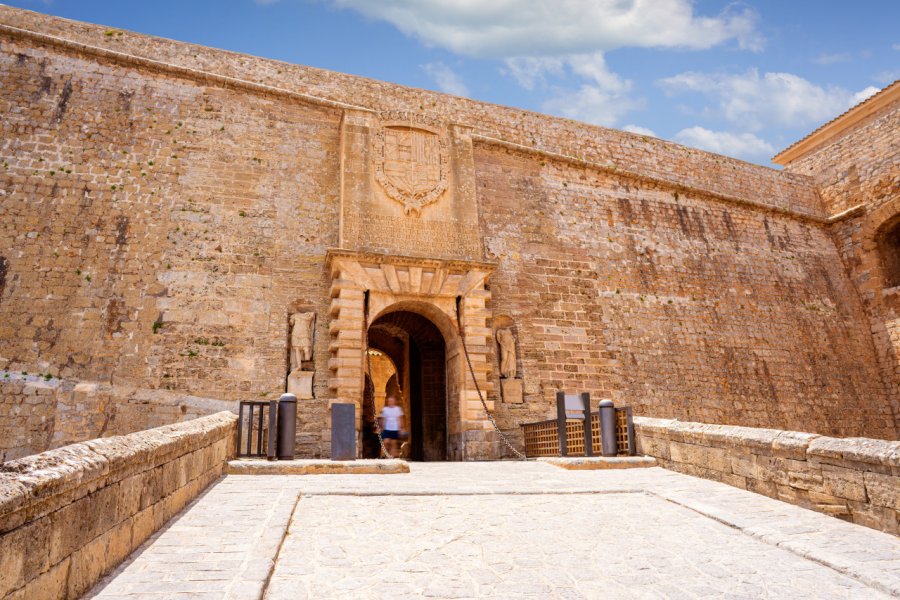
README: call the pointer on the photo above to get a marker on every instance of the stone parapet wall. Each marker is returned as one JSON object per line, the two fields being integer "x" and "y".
{"x": 27, "y": 415}
{"x": 38, "y": 413}
{"x": 680, "y": 165}
{"x": 855, "y": 479}
{"x": 68, "y": 516}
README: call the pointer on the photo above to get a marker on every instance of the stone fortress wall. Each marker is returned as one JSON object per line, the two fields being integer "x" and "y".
{"x": 856, "y": 168}
{"x": 167, "y": 206}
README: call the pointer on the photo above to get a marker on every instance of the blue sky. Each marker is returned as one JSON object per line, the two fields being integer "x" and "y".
{"x": 744, "y": 79}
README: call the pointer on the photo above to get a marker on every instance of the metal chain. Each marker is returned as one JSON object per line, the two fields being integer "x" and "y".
{"x": 368, "y": 379}
{"x": 502, "y": 435}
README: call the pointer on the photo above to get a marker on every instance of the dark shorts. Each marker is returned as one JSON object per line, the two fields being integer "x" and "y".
{"x": 389, "y": 434}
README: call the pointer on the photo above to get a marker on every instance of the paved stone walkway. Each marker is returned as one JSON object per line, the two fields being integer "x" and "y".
{"x": 503, "y": 530}
{"x": 221, "y": 546}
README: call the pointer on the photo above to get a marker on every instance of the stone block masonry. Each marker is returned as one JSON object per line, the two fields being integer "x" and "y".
{"x": 857, "y": 171}
{"x": 166, "y": 207}
{"x": 68, "y": 516}
{"x": 674, "y": 303}
{"x": 39, "y": 412}
{"x": 855, "y": 479}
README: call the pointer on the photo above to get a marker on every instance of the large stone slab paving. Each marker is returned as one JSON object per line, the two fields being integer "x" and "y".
{"x": 547, "y": 546}
{"x": 503, "y": 530}
{"x": 222, "y": 546}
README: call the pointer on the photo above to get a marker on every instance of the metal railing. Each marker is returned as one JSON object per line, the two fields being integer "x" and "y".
{"x": 259, "y": 428}
{"x": 544, "y": 438}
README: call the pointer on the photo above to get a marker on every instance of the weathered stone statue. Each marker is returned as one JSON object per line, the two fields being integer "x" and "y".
{"x": 507, "y": 342}
{"x": 302, "y": 332}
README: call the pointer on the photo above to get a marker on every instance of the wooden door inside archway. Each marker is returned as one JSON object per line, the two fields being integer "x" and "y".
{"x": 417, "y": 349}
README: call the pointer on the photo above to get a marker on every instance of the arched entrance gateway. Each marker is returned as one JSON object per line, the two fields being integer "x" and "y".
{"x": 409, "y": 311}
{"x": 407, "y": 358}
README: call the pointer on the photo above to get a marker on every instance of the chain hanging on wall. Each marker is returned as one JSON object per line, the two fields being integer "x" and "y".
{"x": 462, "y": 338}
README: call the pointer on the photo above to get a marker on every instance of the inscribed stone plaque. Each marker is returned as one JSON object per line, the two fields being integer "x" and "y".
{"x": 300, "y": 383}
{"x": 512, "y": 390}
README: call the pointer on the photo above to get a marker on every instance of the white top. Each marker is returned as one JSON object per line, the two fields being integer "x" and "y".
{"x": 391, "y": 416}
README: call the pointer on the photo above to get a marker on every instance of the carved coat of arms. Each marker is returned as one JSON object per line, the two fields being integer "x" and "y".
{"x": 411, "y": 165}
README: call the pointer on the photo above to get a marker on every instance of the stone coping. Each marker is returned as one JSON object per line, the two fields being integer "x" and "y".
{"x": 34, "y": 486}
{"x": 599, "y": 462}
{"x": 316, "y": 467}
{"x": 788, "y": 444}
{"x": 855, "y": 479}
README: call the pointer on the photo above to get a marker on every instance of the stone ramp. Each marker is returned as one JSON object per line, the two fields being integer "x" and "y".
{"x": 503, "y": 530}
{"x": 222, "y": 546}
{"x": 586, "y": 546}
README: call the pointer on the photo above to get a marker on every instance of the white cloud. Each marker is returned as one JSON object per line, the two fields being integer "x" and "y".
{"x": 511, "y": 28}
{"x": 740, "y": 145}
{"x": 864, "y": 95}
{"x": 447, "y": 79}
{"x": 590, "y": 104}
{"x": 531, "y": 71}
{"x": 895, "y": 46}
{"x": 593, "y": 67}
{"x": 755, "y": 101}
{"x": 830, "y": 59}
{"x": 639, "y": 130}
{"x": 604, "y": 97}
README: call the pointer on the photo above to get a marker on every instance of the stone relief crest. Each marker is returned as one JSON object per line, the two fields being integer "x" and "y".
{"x": 411, "y": 163}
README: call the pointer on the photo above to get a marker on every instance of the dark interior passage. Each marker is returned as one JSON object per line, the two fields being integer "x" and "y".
{"x": 416, "y": 348}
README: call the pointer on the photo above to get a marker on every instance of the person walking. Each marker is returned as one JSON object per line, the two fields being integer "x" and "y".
{"x": 392, "y": 425}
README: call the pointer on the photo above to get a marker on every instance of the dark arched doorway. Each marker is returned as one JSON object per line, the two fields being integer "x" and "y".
{"x": 417, "y": 354}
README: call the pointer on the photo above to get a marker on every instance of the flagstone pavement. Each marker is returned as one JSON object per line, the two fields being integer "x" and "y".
{"x": 501, "y": 530}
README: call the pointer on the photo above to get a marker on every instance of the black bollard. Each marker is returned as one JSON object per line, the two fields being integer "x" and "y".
{"x": 287, "y": 426}
{"x": 608, "y": 428}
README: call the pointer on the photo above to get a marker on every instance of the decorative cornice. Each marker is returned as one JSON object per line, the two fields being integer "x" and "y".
{"x": 838, "y": 125}
{"x": 377, "y": 258}
{"x": 853, "y": 211}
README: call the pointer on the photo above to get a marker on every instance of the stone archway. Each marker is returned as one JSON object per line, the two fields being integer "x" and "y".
{"x": 415, "y": 342}
{"x": 367, "y": 286}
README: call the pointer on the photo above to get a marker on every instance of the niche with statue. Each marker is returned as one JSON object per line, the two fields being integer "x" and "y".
{"x": 301, "y": 368}
{"x": 511, "y": 388}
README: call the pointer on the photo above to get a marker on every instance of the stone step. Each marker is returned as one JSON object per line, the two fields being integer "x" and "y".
{"x": 251, "y": 466}
{"x": 599, "y": 462}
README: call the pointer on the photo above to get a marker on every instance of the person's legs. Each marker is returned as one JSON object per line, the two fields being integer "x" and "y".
{"x": 390, "y": 442}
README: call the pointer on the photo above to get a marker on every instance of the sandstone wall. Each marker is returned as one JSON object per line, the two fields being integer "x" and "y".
{"x": 39, "y": 413}
{"x": 157, "y": 231}
{"x": 855, "y": 479}
{"x": 27, "y": 416}
{"x": 676, "y": 304}
{"x": 70, "y": 515}
{"x": 690, "y": 167}
{"x": 860, "y": 168}
{"x": 167, "y": 206}
{"x": 860, "y": 165}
